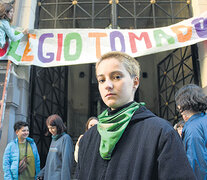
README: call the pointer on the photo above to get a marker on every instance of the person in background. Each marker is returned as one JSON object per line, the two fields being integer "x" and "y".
{"x": 6, "y": 17}
{"x": 129, "y": 141}
{"x": 90, "y": 123}
{"x": 192, "y": 104}
{"x": 179, "y": 127}
{"x": 15, "y": 152}
{"x": 60, "y": 156}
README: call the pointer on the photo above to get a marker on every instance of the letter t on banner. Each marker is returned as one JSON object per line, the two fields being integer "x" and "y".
{"x": 98, "y": 44}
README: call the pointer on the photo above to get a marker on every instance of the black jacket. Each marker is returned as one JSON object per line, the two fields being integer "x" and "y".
{"x": 149, "y": 149}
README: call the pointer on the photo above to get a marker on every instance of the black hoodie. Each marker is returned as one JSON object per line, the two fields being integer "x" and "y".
{"x": 149, "y": 149}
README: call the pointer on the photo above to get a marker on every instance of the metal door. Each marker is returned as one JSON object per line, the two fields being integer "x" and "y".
{"x": 48, "y": 94}
{"x": 180, "y": 67}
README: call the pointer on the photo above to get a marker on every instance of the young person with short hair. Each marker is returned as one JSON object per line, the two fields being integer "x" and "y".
{"x": 15, "y": 152}
{"x": 129, "y": 142}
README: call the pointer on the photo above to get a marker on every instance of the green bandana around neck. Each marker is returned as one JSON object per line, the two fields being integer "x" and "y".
{"x": 111, "y": 128}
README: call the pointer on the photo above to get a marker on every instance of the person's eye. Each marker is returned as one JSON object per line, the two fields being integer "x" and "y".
{"x": 100, "y": 80}
{"x": 117, "y": 77}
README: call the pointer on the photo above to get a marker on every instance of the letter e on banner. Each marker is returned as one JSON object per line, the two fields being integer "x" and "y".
{"x": 25, "y": 56}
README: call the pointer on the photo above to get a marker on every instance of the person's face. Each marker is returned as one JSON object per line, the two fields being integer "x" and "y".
{"x": 116, "y": 86}
{"x": 22, "y": 133}
{"x": 185, "y": 114}
{"x": 10, "y": 14}
{"x": 92, "y": 123}
{"x": 52, "y": 130}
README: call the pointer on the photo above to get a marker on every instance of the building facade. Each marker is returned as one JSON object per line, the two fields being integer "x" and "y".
{"x": 34, "y": 93}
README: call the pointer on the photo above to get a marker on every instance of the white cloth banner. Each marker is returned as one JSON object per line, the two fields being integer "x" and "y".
{"x": 60, "y": 47}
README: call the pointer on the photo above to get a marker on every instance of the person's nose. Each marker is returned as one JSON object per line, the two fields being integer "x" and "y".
{"x": 109, "y": 84}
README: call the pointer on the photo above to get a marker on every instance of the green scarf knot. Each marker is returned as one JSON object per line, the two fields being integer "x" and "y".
{"x": 111, "y": 128}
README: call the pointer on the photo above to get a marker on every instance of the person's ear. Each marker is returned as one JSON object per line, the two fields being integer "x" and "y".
{"x": 136, "y": 82}
{"x": 17, "y": 132}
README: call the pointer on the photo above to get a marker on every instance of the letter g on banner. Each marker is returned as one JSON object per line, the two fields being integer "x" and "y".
{"x": 40, "y": 49}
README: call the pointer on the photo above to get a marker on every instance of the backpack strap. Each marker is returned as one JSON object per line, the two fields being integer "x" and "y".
{"x": 26, "y": 149}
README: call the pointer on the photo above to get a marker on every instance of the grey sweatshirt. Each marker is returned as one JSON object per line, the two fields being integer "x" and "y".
{"x": 59, "y": 159}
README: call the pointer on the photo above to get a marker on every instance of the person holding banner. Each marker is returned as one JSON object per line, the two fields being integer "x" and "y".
{"x": 129, "y": 141}
{"x": 6, "y": 17}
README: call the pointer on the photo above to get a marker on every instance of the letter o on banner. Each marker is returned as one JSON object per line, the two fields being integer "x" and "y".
{"x": 67, "y": 45}
{"x": 113, "y": 36}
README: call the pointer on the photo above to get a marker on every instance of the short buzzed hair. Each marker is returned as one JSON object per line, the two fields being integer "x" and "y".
{"x": 131, "y": 64}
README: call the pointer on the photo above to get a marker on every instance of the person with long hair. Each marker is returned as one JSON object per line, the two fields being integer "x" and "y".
{"x": 129, "y": 141}
{"x": 20, "y": 148}
{"x": 6, "y": 31}
{"x": 60, "y": 156}
{"x": 192, "y": 104}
